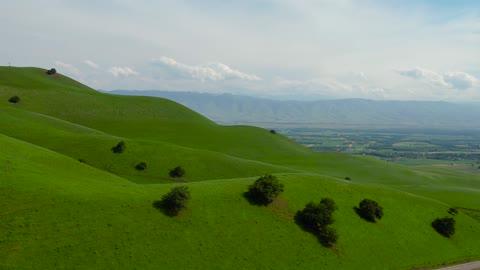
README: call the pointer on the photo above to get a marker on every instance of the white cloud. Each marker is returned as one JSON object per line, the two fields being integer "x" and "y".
{"x": 460, "y": 80}
{"x": 211, "y": 71}
{"x": 122, "y": 71}
{"x": 429, "y": 76}
{"x": 67, "y": 67}
{"x": 457, "y": 80}
{"x": 91, "y": 64}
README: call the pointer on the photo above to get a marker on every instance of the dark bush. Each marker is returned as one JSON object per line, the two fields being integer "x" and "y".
{"x": 141, "y": 166}
{"x": 317, "y": 218}
{"x": 52, "y": 71}
{"x": 453, "y": 211}
{"x": 177, "y": 172}
{"x": 174, "y": 201}
{"x": 82, "y": 160}
{"x": 444, "y": 226}
{"x": 370, "y": 210}
{"x": 265, "y": 189}
{"x": 348, "y": 178}
{"x": 330, "y": 204}
{"x": 273, "y": 131}
{"x": 119, "y": 148}
{"x": 14, "y": 99}
{"x": 316, "y": 215}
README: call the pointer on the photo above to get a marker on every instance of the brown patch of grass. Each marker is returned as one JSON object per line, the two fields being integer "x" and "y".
{"x": 280, "y": 207}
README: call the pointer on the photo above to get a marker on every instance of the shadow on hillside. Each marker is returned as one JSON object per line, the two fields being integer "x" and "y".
{"x": 254, "y": 200}
{"x": 160, "y": 206}
{"x": 361, "y": 215}
{"x": 311, "y": 230}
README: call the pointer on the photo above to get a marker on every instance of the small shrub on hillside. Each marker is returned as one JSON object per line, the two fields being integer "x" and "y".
{"x": 444, "y": 226}
{"x": 52, "y": 71}
{"x": 453, "y": 211}
{"x": 174, "y": 201}
{"x": 273, "y": 131}
{"x": 14, "y": 99}
{"x": 141, "y": 166}
{"x": 119, "y": 148}
{"x": 317, "y": 218}
{"x": 370, "y": 210}
{"x": 82, "y": 160}
{"x": 177, "y": 172}
{"x": 348, "y": 178}
{"x": 265, "y": 189}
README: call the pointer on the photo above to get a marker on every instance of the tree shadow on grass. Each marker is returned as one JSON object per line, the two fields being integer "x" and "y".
{"x": 162, "y": 207}
{"x": 362, "y": 215}
{"x": 253, "y": 199}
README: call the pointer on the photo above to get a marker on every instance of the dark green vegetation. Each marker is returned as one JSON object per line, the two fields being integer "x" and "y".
{"x": 14, "y": 99}
{"x": 141, "y": 166}
{"x": 264, "y": 190}
{"x": 456, "y": 149}
{"x": 57, "y": 212}
{"x": 174, "y": 201}
{"x": 52, "y": 71}
{"x": 370, "y": 210}
{"x": 317, "y": 218}
{"x": 119, "y": 148}
{"x": 444, "y": 226}
{"x": 453, "y": 211}
{"x": 177, "y": 172}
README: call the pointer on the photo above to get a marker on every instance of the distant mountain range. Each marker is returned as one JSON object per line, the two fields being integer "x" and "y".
{"x": 342, "y": 113}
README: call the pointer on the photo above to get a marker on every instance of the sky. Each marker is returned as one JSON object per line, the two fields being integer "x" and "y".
{"x": 281, "y": 49}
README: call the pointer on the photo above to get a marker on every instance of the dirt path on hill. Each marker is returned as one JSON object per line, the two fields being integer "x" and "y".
{"x": 465, "y": 266}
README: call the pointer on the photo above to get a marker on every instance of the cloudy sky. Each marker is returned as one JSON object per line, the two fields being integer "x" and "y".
{"x": 284, "y": 49}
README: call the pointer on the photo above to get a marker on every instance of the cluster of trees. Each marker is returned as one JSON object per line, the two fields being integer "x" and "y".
{"x": 177, "y": 172}
{"x": 317, "y": 218}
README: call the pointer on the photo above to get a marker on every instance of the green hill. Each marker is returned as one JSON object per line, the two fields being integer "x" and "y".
{"x": 57, "y": 212}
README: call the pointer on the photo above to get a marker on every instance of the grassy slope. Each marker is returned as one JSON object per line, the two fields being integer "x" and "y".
{"x": 94, "y": 147}
{"x": 65, "y": 218}
{"x": 69, "y": 118}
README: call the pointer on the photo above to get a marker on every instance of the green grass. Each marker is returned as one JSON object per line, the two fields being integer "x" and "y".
{"x": 57, "y": 212}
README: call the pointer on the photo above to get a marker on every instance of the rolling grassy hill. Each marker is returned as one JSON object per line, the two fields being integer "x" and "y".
{"x": 57, "y": 212}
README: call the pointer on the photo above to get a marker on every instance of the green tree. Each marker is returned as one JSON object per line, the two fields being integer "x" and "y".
{"x": 177, "y": 172}
{"x": 444, "y": 226}
{"x": 14, "y": 99}
{"x": 141, "y": 166}
{"x": 265, "y": 189}
{"x": 370, "y": 210}
{"x": 317, "y": 218}
{"x": 119, "y": 148}
{"x": 175, "y": 200}
{"x": 52, "y": 71}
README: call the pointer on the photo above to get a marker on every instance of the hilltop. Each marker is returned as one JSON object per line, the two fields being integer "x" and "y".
{"x": 62, "y": 213}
